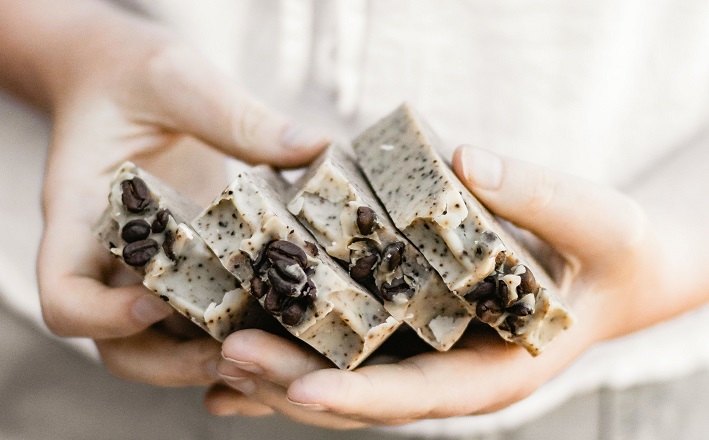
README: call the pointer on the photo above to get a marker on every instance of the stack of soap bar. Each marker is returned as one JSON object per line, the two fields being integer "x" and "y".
{"x": 336, "y": 204}
{"x": 278, "y": 261}
{"x": 146, "y": 226}
{"x": 476, "y": 258}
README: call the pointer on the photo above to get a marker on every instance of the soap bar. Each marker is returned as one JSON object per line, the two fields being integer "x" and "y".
{"x": 146, "y": 225}
{"x": 474, "y": 255}
{"x": 279, "y": 262}
{"x": 337, "y": 205}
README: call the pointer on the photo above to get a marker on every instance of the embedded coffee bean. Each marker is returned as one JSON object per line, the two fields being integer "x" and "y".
{"x": 135, "y": 195}
{"x": 293, "y": 313}
{"x": 258, "y": 287}
{"x": 528, "y": 283}
{"x": 363, "y": 268}
{"x": 272, "y": 302}
{"x": 392, "y": 255}
{"x": 138, "y": 253}
{"x": 161, "y": 219}
{"x": 282, "y": 250}
{"x": 282, "y": 286}
{"x": 484, "y": 288}
{"x": 512, "y": 324}
{"x": 366, "y": 220}
{"x": 260, "y": 259}
{"x": 489, "y": 309}
{"x": 168, "y": 245}
{"x": 521, "y": 309}
{"x": 312, "y": 248}
{"x": 503, "y": 290}
{"x": 135, "y": 230}
{"x": 290, "y": 271}
{"x": 396, "y": 287}
{"x": 310, "y": 292}
{"x": 500, "y": 258}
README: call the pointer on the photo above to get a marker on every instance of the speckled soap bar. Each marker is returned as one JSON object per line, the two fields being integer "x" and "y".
{"x": 476, "y": 258}
{"x": 336, "y": 204}
{"x": 146, "y": 226}
{"x": 278, "y": 261}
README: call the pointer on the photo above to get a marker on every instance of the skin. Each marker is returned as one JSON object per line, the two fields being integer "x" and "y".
{"x": 121, "y": 88}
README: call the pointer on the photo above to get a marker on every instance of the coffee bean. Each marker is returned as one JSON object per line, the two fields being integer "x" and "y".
{"x": 135, "y": 230}
{"x": 138, "y": 253}
{"x": 484, "y": 288}
{"x": 258, "y": 263}
{"x": 489, "y": 309}
{"x": 391, "y": 257}
{"x": 258, "y": 287}
{"x": 312, "y": 248}
{"x": 396, "y": 287}
{"x": 161, "y": 219}
{"x": 507, "y": 297}
{"x": 500, "y": 258}
{"x": 135, "y": 195}
{"x": 512, "y": 324}
{"x": 168, "y": 245}
{"x": 366, "y": 220}
{"x": 290, "y": 271}
{"x": 528, "y": 283}
{"x": 293, "y": 313}
{"x": 285, "y": 250}
{"x": 521, "y": 308}
{"x": 363, "y": 268}
{"x": 310, "y": 292}
{"x": 282, "y": 286}
{"x": 272, "y": 302}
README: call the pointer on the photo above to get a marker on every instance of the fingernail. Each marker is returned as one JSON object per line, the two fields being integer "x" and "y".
{"x": 308, "y": 406}
{"x": 228, "y": 369}
{"x": 246, "y": 366}
{"x": 242, "y": 384}
{"x": 149, "y": 309}
{"x": 297, "y": 136}
{"x": 481, "y": 168}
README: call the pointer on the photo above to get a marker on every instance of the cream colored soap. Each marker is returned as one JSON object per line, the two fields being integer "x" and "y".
{"x": 476, "y": 258}
{"x": 279, "y": 262}
{"x": 174, "y": 261}
{"x": 327, "y": 200}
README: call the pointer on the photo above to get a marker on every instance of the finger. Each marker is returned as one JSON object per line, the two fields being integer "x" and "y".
{"x": 575, "y": 216}
{"x": 221, "y": 400}
{"x": 205, "y": 103}
{"x": 486, "y": 374}
{"x": 268, "y": 356}
{"x": 76, "y": 302}
{"x": 155, "y": 358}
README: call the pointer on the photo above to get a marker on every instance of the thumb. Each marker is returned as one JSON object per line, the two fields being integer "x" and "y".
{"x": 575, "y": 216}
{"x": 201, "y": 101}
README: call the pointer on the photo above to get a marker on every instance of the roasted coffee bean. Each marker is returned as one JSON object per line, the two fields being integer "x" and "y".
{"x": 285, "y": 250}
{"x": 272, "y": 302}
{"x": 310, "y": 292}
{"x": 135, "y": 230}
{"x": 489, "y": 309}
{"x": 528, "y": 283}
{"x": 521, "y": 308}
{"x": 258, "y": 263}
{"x": 391, "y": 257}
{"x": 258, "y": 287}
{"x": 161, "y": 219}
{"x": 168, "y": 245}
{"x": 282, "y": 286}
{"x": 135, "y": 195}
{"x": 500, "y": 258}
{"x": 138, "y": 253}
{"x": 484, "y": 288}
{"x": 396, "y": 287}
{"x": 503, "y": 290}
{"x": 293, "y": 313}
{"x": 366, "y": 220}
{"x": 290, "y": 271}
{"x": 512, "y": 324}
{"x": 363, "y": 268}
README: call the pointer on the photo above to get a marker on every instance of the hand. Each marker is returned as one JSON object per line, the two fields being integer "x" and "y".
{"x": 127, "y": 90}
{"x": 622, "y": 281}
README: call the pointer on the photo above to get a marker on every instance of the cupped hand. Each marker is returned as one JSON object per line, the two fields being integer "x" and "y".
{"x": 127, "y": 90}
{"x": 621, "y": 280}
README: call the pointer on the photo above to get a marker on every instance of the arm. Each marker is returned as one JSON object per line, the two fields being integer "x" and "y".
{"x": 119, "y": 87}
